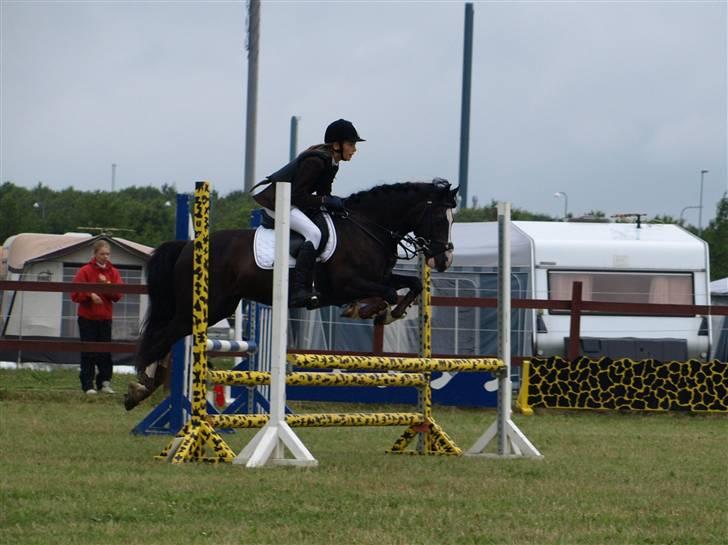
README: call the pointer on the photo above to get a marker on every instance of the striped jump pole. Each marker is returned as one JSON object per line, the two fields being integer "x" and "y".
{"x": 248, "y": 347}
{"x": 431, "y": 438}
{"x": 393, "y": 363}
{"x": 255, "y": 378}
{"x": 318, "y": 420}
{"x": 197, "y": 435}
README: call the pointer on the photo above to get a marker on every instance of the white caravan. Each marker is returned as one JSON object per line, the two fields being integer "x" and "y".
{"x": 619, "y": 262}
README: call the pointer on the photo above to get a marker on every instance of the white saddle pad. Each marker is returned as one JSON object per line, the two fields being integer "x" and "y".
{"x": 264, "y": 246}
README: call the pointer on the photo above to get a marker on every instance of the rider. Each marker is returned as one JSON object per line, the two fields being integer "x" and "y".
{"x": 311, "y": 175}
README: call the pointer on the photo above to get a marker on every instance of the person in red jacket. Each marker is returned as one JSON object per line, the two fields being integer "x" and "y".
{"x": 94, "y": 318}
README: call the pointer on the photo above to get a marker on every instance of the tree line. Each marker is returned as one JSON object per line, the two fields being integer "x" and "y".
{"x": 147, "y": 215}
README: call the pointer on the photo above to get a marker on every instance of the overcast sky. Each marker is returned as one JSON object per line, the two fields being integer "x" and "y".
{"x": 617, "y": 104}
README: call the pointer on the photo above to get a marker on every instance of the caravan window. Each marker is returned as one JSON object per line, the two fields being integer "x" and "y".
{"x": 623, "y": 287}
{"x": 455, "y": 330}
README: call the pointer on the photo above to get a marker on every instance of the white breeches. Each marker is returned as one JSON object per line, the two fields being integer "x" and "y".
{"x": 301, "y": 223}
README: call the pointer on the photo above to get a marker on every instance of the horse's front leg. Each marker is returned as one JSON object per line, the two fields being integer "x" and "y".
{"x": 361, "y": 288}
{"x": 414, "y": 287}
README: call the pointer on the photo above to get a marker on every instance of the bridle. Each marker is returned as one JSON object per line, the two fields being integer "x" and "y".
{"x": 410, "y": 245}
{"x": 429, "y": 246}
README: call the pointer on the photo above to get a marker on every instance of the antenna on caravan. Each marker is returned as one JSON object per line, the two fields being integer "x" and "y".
{"x": 631, "y": 215}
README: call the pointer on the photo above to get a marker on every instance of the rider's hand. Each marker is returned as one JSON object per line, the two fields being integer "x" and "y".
{"x": 96, "y": 299}
{"x": 333, "y": 203}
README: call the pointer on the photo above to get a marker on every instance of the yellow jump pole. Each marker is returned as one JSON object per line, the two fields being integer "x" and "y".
{"x": 424, "y": 394}
{"x": 431, "y": 438}
{"x": 190, "y": 443}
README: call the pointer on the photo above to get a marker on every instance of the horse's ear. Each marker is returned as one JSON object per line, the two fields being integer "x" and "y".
{"x": 454, "y": 194}
{"x": 440, "y": 182}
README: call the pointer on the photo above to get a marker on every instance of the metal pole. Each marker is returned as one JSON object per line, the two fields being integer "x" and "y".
{"x": 566, "y": 202}
{"x": 700, "y": 213}
{"x": 465, "y": 108}
{"x": 113, "y": 177}
{"x": 294, "y": 138}
{"x": 252, "y": 97}
{"x": 682, "y": 212}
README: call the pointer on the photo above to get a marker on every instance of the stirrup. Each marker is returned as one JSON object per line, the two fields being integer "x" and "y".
{"x": 310, "y": 300}
{"x": 313, "y": 302}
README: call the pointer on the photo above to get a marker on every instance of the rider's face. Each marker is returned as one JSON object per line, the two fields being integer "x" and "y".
{"x": 102, "y": 254}
{"x": 347, "y": 151}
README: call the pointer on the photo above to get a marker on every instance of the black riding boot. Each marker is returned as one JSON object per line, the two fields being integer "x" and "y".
{"x": 302, "y": 292}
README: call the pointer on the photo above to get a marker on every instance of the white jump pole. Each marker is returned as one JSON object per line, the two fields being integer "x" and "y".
{"x": 512, "y": 442}
{"x": 269, "y": 445}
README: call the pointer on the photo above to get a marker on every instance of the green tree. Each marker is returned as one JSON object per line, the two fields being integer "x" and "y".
{"x": 490, "y": 213}
{"x": 233, "y": 211}
{"x": 665, "y": 219}
{"x": 147, "y": 215}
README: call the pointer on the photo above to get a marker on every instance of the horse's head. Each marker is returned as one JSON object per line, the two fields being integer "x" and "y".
{"x": 422, "y": 208}
{"x": 435, "y": 227}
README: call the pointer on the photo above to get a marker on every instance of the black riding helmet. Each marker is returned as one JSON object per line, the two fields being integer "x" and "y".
{"x": 341, "y": 130}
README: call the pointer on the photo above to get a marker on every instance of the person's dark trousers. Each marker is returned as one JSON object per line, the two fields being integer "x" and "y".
{"x": 100, "y": 331}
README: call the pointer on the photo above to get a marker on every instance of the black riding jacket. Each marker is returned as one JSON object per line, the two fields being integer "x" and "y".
{"x": 311, "y": 175}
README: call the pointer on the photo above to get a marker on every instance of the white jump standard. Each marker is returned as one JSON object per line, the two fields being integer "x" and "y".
{"x": 270, "y": 443}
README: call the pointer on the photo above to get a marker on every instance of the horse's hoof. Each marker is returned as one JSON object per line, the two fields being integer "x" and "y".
{"x": 135, "y": 394}
{"x": 350, "y": 311}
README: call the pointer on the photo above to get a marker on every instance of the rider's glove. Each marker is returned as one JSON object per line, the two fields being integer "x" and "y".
{"x": 332, "y": 203}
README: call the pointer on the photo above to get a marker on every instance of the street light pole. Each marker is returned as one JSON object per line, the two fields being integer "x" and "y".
{"x": 40, "y": 206}
{"x": 566, "y": 202}
{"x": 700, "y": 214}
{"x": 682, "y": 212}
{"x": 294, "y": 138}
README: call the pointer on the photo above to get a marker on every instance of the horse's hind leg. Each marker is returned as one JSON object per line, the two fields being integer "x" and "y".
{"x": 152, "y": 369}
{"x": 147, "y": 382}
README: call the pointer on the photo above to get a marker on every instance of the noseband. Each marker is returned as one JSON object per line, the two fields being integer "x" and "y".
{"x": 428, "y": 246}
{"x": 411, "y": 246}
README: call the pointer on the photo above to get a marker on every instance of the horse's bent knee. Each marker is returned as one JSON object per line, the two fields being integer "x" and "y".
{"x": 390, "y": 296}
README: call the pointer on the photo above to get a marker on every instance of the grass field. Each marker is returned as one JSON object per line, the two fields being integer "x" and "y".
{"x": 71, "y": 473}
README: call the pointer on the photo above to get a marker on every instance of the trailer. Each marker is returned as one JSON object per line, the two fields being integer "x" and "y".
{"x": 619, "y": 262}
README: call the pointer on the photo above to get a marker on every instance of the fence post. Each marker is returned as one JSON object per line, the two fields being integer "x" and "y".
{"x": 575, "y": 322}
{"x": 378, "y": 339}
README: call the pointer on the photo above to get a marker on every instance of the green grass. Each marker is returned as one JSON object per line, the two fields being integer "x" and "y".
{"x": 72, "y": 474}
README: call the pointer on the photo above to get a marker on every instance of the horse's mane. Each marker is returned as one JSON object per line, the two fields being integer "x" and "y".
{"x": 387, "y": 191}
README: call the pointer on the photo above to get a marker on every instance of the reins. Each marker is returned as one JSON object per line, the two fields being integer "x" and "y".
{"x": 410, "y": 245}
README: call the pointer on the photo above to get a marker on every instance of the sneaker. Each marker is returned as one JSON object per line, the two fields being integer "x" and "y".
{"x": 106, "y": 387}
{"x": 91, "y": 392}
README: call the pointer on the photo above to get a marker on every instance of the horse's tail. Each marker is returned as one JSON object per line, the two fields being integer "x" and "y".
{"x": 160, "y": 288}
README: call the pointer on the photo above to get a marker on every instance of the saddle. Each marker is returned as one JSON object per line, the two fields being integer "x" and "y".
{"x": 264, "y": 241}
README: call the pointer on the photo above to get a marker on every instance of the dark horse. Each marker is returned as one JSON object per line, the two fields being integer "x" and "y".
{"x": 368, "y": 237}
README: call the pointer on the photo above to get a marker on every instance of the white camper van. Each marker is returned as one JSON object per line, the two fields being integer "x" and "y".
{"x": 620, "y": 262}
